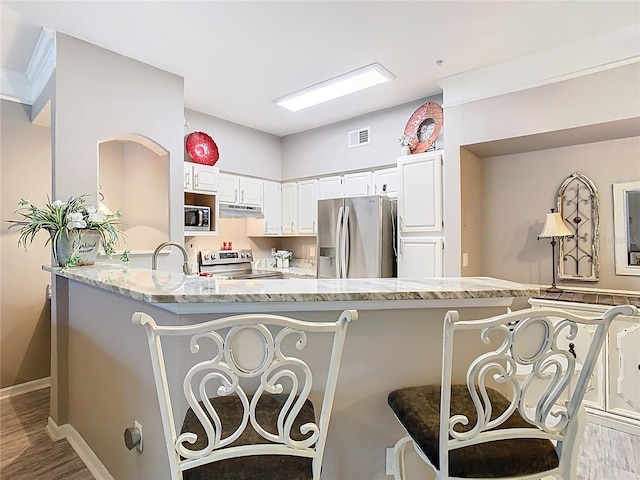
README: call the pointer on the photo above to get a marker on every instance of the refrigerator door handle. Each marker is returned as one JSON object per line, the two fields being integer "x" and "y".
{"x": 338, "y": 243}
{"x": 344, "y": 256}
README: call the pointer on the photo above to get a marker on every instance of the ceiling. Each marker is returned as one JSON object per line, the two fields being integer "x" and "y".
{"x": 237, "y": 56}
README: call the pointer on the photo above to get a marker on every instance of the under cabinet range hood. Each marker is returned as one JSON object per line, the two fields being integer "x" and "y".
{"x": 231, "y": 210}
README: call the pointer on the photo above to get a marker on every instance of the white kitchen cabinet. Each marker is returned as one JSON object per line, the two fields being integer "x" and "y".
{"x": 272, "y": 208}
{"x": 289, "y": 207}
{"x": 420, "y": 257}
{"x": 330, "y": 187}
{"x": 271, "y": 224}
{"x": 613, "y": 393}
{"x": 420, "y": 227}
{"x": 357, "y": 184}
{"x": 420, "y": 194}
{"x": 386, "y": 177}
{"x": 228, "y": 188}
{"x": 200, "y": 178}
{"x": 240, "y": 190}
{"x": 307, "y": 206}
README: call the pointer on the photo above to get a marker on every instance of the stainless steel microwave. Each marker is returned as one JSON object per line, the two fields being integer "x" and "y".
{"x": 197, "y": 218}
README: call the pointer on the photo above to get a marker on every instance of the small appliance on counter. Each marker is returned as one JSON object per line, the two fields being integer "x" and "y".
{"x": 231, "y": 265}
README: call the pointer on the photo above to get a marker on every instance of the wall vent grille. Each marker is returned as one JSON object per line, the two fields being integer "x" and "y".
{"x": 357, "y": 138}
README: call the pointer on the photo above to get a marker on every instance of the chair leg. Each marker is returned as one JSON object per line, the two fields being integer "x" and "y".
{"x": 398, "y": 457}
{"x": 569, "y": 471}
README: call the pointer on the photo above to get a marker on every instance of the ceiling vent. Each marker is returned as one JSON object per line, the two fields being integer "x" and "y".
{"x": 359, "y": 137}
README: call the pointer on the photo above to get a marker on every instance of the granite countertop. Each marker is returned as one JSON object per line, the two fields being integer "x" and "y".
{"x": 592, "y": 297}
{"x": 298, "y": 268}
{"x": 164, "y": 287}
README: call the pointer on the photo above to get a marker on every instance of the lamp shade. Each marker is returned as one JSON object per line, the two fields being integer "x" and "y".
{"x": 554, "y": 227}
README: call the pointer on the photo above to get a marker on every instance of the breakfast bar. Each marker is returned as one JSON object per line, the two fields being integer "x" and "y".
{"x": 102, "y": 379}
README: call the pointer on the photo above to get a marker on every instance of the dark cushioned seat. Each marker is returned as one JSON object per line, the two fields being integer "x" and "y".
{"x": 257, "y": 467}
{"x": 418, "y": 409}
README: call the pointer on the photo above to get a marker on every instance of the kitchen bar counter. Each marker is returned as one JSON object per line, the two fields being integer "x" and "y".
{"x": 176, "y": 292}
{"x": 102, "y": 380}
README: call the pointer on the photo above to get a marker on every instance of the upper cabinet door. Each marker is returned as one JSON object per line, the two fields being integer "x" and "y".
{"x": 205, "y": 177}
{"x": 420, "y": 195}
{"x": 330, "y": 187}
{"x": 357, "y": 184}
{"x": 307, "y": 206}
{"x": 250, "y": 191}
{"x": 385, "y": 180}
{"x": 188, "y": 176}
{"x": 272, "y": 208}
{"x": 228, "y": 188}
{"x": 289, "y": 207}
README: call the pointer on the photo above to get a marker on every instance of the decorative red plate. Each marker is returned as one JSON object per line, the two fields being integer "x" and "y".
{"x": 424, "y": 125}
{"x": 202, "y": 149}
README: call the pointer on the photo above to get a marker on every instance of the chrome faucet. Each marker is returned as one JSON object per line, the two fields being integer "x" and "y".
{"x": 154, "y": 258}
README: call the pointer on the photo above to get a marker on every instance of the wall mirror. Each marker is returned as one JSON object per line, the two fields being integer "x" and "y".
{"x": 134, "y": 179}
{"x": 626, "y": 220}
{"x": 578, "y": 204}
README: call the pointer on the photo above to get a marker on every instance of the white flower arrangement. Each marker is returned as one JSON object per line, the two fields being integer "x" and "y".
{"x": 62, "y": 218}
{"x": 283, "y": 255}
{"x": 407, "y": 140}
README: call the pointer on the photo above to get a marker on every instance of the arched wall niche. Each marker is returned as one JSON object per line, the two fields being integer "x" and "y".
{"x": 133, "y": 178}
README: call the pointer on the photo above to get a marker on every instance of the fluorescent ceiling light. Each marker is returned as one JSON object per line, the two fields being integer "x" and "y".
{"x": 351, "y": 82}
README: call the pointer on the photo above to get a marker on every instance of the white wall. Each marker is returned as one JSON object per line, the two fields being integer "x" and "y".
{"x": 101, "y": 95}
{"x": 518, "y": 190}
{"x": 324, "y": 150}
{"x": 25, "y": 172}
{"x": 599, "y": 98}
{"x": 243, "y": 150}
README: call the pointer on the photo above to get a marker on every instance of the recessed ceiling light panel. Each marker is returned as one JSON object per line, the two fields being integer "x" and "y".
{"x": 351, "y": 82}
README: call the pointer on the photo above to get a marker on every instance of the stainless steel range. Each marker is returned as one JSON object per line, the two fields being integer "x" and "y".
{"x": 231, "y": 265}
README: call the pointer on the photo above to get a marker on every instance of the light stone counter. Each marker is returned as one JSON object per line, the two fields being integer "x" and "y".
{"x": 102, "y": 379}
{"x": 187, "y": 294}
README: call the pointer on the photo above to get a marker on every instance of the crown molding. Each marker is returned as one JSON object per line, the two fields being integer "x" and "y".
{"x": 14, "y": 86}
{"x": 42, "y": 63}
{"x": 26, "y": 87}
{"x": 602, "y": 52}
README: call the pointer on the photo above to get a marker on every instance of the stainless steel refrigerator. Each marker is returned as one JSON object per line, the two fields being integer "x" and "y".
{"x": 356, "y": 237}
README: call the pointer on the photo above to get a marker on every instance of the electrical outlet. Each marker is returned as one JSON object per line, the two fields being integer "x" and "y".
{"x": 389, "y": 462}
{"x": 312, "y": 251}
{"x": 465, "y": 259}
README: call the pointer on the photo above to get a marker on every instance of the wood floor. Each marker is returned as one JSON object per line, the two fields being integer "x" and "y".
{"x": 27, "y": 452}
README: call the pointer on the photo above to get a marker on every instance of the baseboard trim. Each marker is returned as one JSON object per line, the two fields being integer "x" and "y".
{"x": 26, "y": 387}
{"x": 616, "y": 422}
{"x": 83, "y": 450}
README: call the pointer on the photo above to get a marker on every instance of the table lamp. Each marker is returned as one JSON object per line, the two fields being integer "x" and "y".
{"x": 554, "y": 227}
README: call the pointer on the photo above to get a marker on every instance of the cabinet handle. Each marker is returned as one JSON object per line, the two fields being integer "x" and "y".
{"x": 195, "y": 180}
{"x": 242, "y": 196}
{"x": 314, "y": 225}
{"x": 266, "y": 226}
{"x": 235, "y": 195}
{"x": 368, "y": 189}
{"x": 375, "y": 189}
{"x": 186, "y": 179}
{"x": 401, "y": 223}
